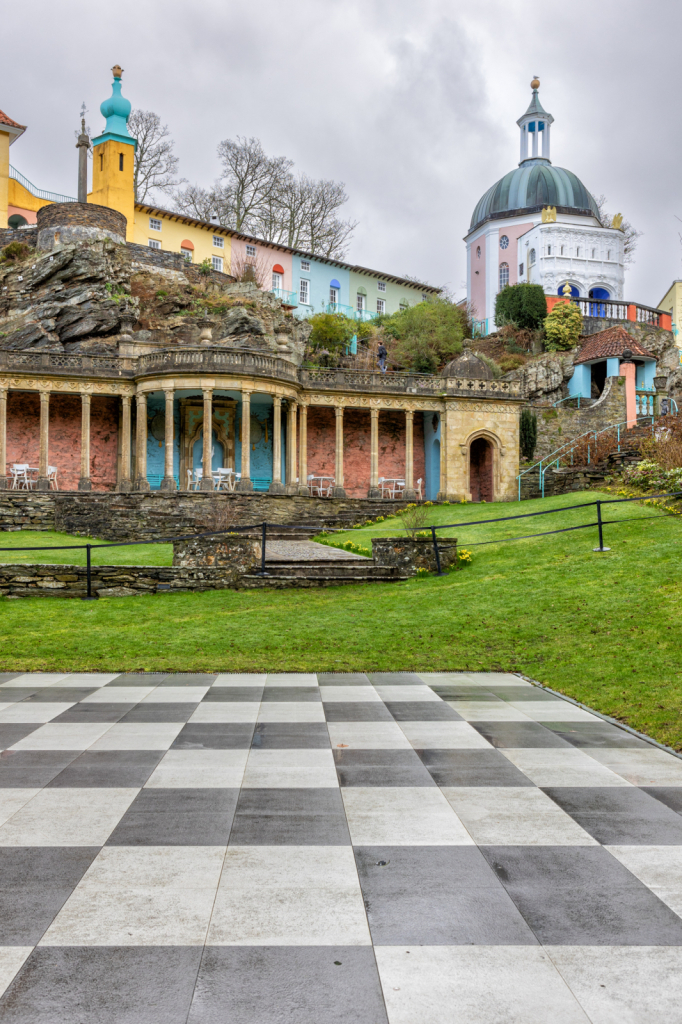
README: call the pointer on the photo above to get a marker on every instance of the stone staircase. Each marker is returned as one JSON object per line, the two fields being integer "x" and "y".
{"x": 321, "y": 572}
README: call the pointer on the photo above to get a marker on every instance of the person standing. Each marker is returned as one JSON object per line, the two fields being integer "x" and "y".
{"x": 382, "y": 353}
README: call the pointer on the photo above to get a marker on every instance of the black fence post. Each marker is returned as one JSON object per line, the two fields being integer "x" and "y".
{"x": 89, "y": 596}
{"x": 264, "y": 527}
{"x": 439, "y": 571}
{"x": 601, "y": 532}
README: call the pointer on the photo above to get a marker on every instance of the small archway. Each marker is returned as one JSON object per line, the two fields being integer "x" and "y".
{"x": 16, "y": 221}
{"x": 481, "y": 470}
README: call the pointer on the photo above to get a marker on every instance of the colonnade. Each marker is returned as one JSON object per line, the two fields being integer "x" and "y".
{"x": 296, "y": 467}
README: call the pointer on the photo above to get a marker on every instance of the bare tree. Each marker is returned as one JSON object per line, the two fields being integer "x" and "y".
{"x": 261, "y": 196}
{"x": 631, "y": 233}
{"x": 252, "y": 268}
{"x": 156, "y": 166}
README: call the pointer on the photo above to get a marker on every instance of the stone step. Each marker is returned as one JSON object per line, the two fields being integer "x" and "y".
{"x": 253, "y": 581}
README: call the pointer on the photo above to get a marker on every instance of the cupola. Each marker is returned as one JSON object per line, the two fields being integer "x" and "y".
{"x": 116, "y": 110}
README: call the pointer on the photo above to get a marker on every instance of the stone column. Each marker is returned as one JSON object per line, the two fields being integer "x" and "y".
{"x": 292, "y": 461}
{"x": 85, "y": 484}
{"x": 338, "y": 491}
{"x": 443, "y": 492}
{"x": 125, "y": 484}
{"x": 409, "y": 493}
{"x": 141, "y": 482}
{"x": 277, "y": 487}
{"x": 374, "y": 489}
{"x": 168, "y": 482}
{"x": 3, "y": 440}
{"x": 245, "y": 483}
{"x": 43, "y": 483}
{"x": 303, "y": 450}
{"x": 207, "y": 479}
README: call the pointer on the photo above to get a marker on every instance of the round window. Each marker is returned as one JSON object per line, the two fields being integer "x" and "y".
{"x": 504, "y": 242}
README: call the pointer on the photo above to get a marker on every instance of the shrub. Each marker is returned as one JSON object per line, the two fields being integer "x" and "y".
{"x": 524, "y": 305}
{"x": 528, "y": 433}
{"x": 205, "y": 267}
{"x": 490, "y": 363}
{"x": 426, "y": 335}
{"x": 509, "y": 363}
{"x": 331, "y": 331}
{"x": 563, "y": 327}
{"x": 15, "y": 252}
{"x": 414, "y": 519}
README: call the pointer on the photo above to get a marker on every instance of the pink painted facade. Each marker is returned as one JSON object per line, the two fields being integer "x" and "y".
{"x": 266, "y": 259}
{"x": 356, "y": 455}
{"x": 478, "y": 265}
{"x": 64, "y": 445}
{"x": 629, "y": 371}
{"x": 30, "y": 216}
{"x": 509, "y": 255}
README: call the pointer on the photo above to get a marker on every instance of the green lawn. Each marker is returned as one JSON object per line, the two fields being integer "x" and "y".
{"x": 601, "y": 627}
{"x": 142, "y": 554}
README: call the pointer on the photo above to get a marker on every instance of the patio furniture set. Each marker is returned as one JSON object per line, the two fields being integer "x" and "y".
{"x": 25, "y": 477}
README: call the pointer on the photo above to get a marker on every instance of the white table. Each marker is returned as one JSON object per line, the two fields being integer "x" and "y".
{"x": 321, "y": 486}
{"x": 392, "y": 484}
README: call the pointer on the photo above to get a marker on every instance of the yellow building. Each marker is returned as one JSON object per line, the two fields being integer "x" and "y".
{"x": 672, "y": 302}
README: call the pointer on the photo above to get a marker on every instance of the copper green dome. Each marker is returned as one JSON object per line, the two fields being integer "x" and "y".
{"x": 529, "y": 187}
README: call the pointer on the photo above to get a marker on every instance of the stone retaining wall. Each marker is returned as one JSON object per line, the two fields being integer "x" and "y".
{"x": 108, "y": 580}
{"x": 143, "y": 515}
{"x": 410, "y": 555}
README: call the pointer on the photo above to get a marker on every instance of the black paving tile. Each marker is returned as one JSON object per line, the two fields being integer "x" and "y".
{"x": 117, "y": 769}
{"x": 161, "y": 712}
{"x": 289, "y": 735}
{"x": 11, "y": 733}
{"x": 35, "y": 883}
{"x": 518, "y": 734}
{"x": 177, "y": 817}
{"x": 422, "y": 711}
{"x": 595, "y": 734}
{"x": 620, "y": 816}
{"x": 214, "y": 736}
{"x": 290, "y": 817}
{"x": 582, "y": 896}
{"x": 103, "y": 985}
{"x": 32, "y": 769}
{"x": 293, "y": 694}
{"x": 472, "y": 768}
{"x": 342, "y": 679}
{"x": 357, "y": 711}
{"x": 287, "y": 985}
{"x": 435, "y": 896}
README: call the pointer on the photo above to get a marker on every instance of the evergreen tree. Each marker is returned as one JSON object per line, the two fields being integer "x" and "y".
{"x": 563, "y": 326}
{"x": 523, "y": 305}
{"x": 528, "y": 433}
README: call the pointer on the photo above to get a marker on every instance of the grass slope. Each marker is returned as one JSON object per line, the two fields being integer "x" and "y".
{"x": 603, "y": 628}
{"x": 142, "y": 554}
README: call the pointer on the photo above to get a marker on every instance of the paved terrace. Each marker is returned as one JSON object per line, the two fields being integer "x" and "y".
{"x": 314, "y": 849}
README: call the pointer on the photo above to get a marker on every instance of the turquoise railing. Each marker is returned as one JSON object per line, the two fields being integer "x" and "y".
{"x": 568, "y": 399}
{"x": 567, "y": 449}
{"x": 53, "y": 197}
{"x": 288, "y": 298}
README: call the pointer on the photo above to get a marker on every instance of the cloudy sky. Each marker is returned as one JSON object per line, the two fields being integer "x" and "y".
{"x": 412, "y": 105}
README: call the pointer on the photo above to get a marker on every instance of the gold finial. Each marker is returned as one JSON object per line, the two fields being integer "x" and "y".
{"x": 566, "y": 290}
{"x": 117, "y": 71}
{"x": 535, "y": 84}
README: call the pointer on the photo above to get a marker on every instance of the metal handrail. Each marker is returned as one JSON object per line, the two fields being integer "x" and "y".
{"x": 40, "y": 193}
{"x": 568, "y": 398}
{"x": 568, "y": 448}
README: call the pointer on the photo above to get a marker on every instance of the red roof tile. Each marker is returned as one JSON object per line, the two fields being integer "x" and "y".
{"x": 4, "y": 119}
{"x": 611, "y": 342}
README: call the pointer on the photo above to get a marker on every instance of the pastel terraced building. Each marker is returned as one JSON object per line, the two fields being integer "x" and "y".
{"x": 94, "y": 394}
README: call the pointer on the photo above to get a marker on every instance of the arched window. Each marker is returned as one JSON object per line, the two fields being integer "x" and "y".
{"x": 334, "y": 292}
{"x": 277, "y": 278}
{"x": 504, "y": 275}
{"x": 478, "y": 252}
{"x": 504, "y": 242}
{"x": 531, "y": 257}
{"x": 16, "y": 221}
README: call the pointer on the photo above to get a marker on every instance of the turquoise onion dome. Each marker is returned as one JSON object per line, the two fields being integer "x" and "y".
{"x": 116, "y": 110}
{"x": 535, "y": 183}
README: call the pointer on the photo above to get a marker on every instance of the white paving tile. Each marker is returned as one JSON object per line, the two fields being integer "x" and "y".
{"x": 176, "y": 695}
{"x": 558, "y": 766}
{"x": 407, "y": 693}
{"x": 641, "y": 767}
{"x": 226, "y": 711}
{"x": 240, "y": 679}
{"x": 67, "y": 817}
{"x": 63, "y": 736}
{"x": 659, "y": 867}
{"x": 139, "y": 736}
{"x": 623, "y": 984}
{"x": 295, "y": 757}
{"x": 290, "y": 778}
{"x": 39, "y": 679}
{"x": 487, "y": 711}
{"x": 118, "y": 695}
{"x": 291, "y": 679}
{"x": 402, "y": 816}
{"x": 367, "y": 735}
{"x": 289, "y": 896}
{"x": 291, "y": 711}
{"x": 350, "y": 694}
{"x": 171, "y": 776}
{"x": 38, "y": 711}
{"x": 205, "y": 758}
{"x": 11, "y": 960}
{"x": 475, "y": 985}
{"x": 150, "y": 867}
{"x": 553, "y": 711}
{"x": 447, "y": 735}
{"x": 514, "y": 816}
{"x": 11, "y": 800}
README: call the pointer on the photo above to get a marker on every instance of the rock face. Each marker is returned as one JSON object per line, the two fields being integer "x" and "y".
{"x": 53, "y": 301}
{"x": 545, "y": 376}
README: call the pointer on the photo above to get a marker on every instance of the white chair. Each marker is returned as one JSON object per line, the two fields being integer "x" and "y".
{"x": 384, "y": 485}
{"x": 52, "y": 478}
{"x": 189, "y": 479}
{"x": 198, "y": 477}
{"x": 312, "y": 487}
{"x": 418, "y": 488}
{"x": 327, "y": 488}
{"x": 398, "y": 488}
{"x": 20, "y": 477}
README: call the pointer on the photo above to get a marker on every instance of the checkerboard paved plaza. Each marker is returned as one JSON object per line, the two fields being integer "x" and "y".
{"x": 313, "y": 849}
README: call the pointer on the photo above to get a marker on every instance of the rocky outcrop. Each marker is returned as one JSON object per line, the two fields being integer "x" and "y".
{"x": 54, "y": 300}
{"x": 546, "y": 376}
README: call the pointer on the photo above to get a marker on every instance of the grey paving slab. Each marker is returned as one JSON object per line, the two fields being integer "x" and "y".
{"x": 298, "y": 848}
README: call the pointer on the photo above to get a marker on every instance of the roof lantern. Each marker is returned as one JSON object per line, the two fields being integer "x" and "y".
{"x": 534, "y": 126}
{"x": 116, "y": 110}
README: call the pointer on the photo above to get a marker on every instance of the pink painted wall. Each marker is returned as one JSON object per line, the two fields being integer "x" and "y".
{"x": 478, "y": 280}
{"x": 30, "y": 216}
{"x": 510, "y": 254}
{"x": 629, "y": 371}
{"x": 64, "y": 445}
{"x": 356, "y": 456}
{"x": 268, "y": 256}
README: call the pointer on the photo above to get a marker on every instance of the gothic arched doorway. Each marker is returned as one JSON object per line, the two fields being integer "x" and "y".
{"x": 481, "y": 470}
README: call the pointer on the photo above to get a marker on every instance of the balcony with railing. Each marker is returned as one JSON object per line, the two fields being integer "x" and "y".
{"x": 285, "y": 297}
{"x": 39, "y": 193}
{"x": 598, "y": 314}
